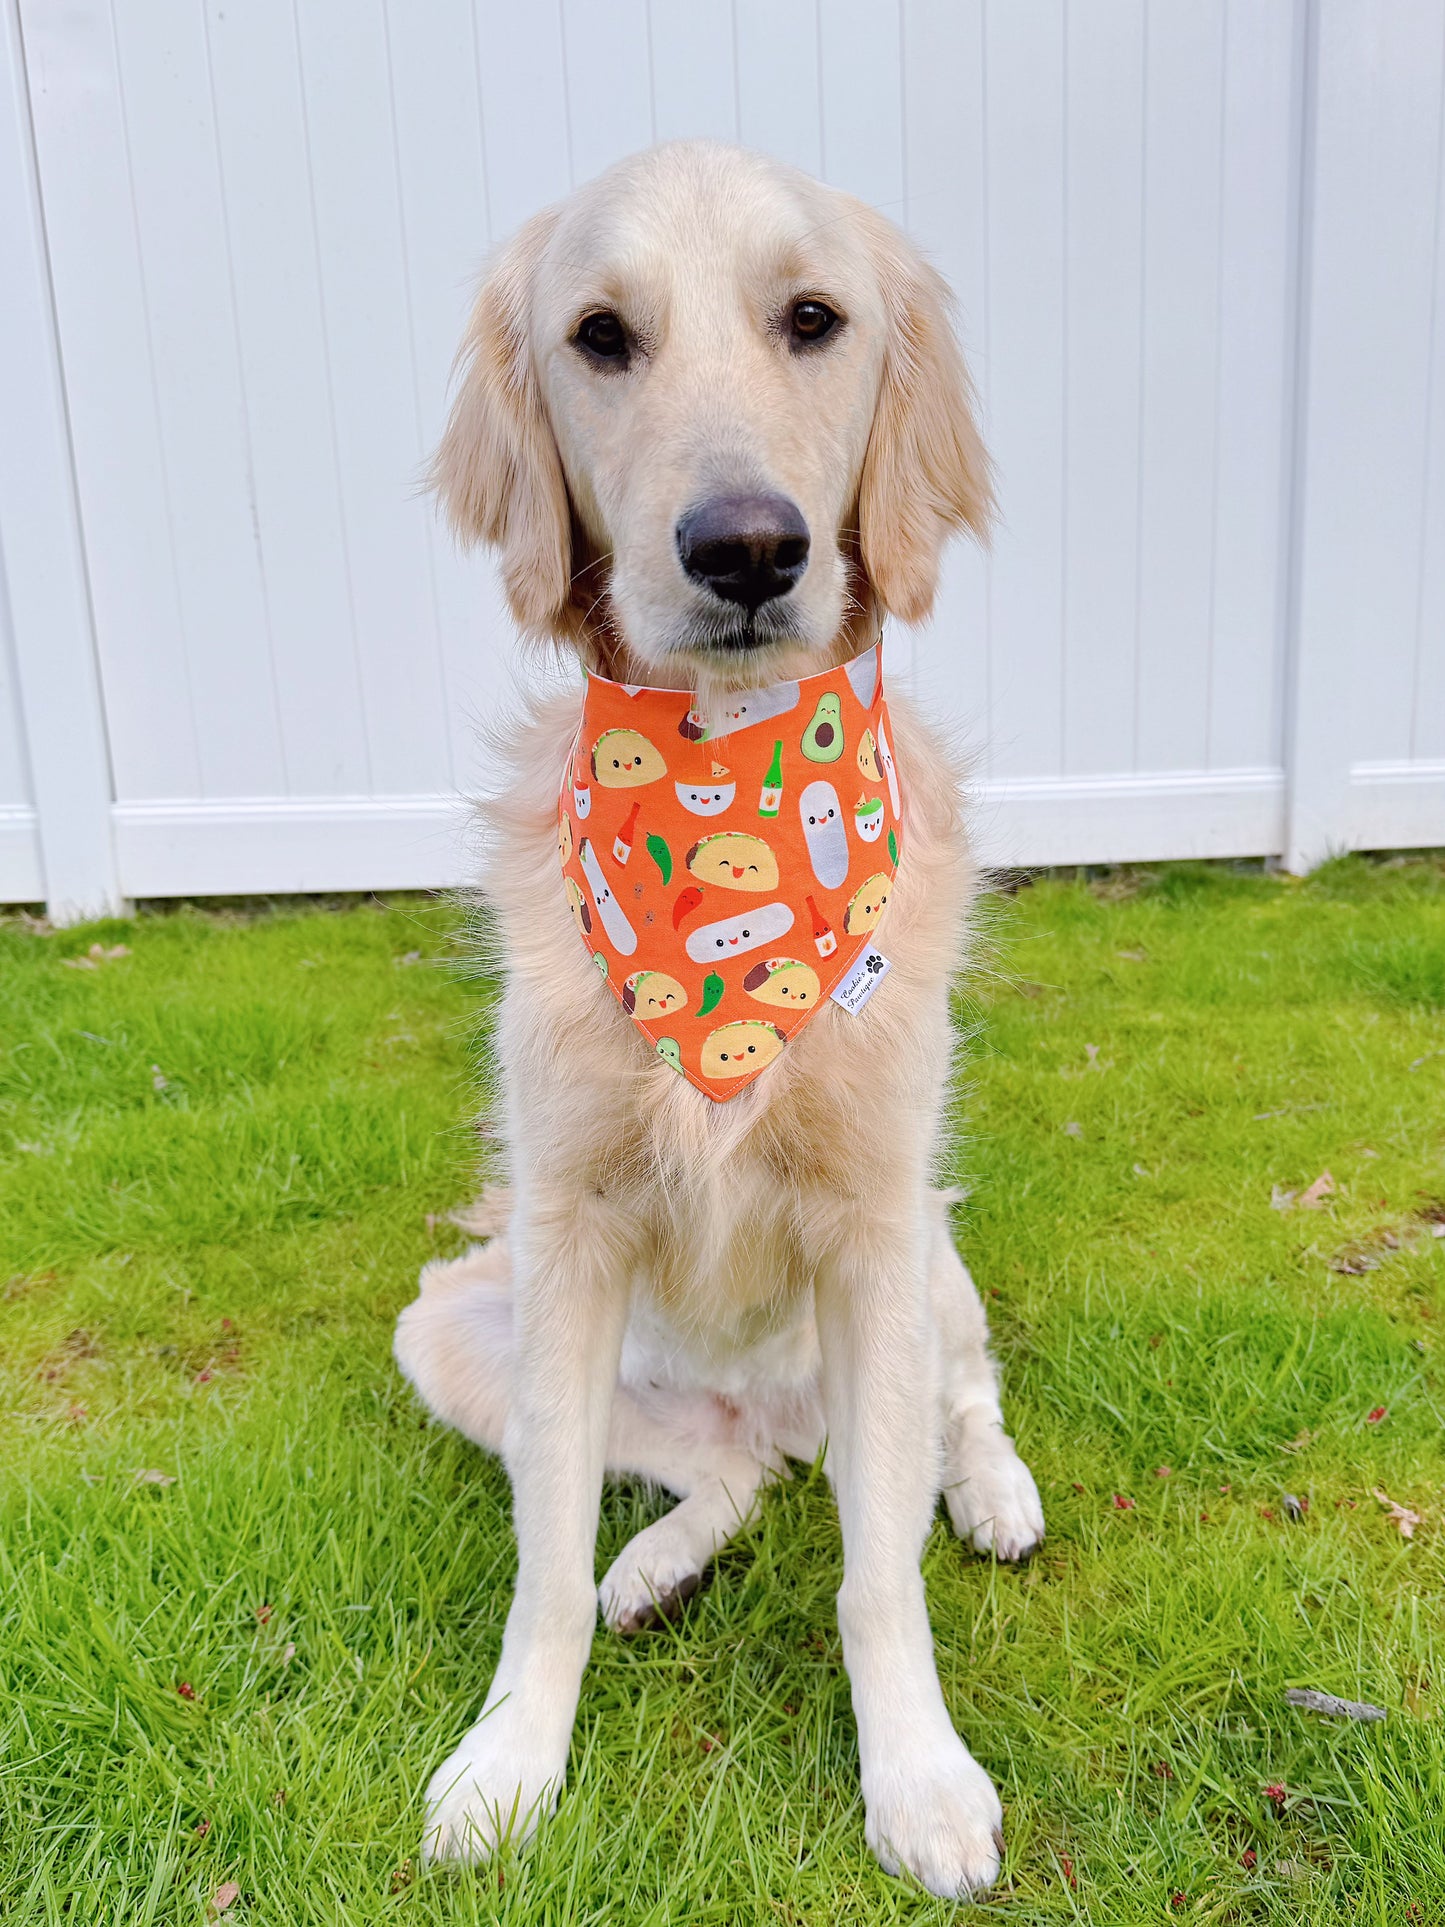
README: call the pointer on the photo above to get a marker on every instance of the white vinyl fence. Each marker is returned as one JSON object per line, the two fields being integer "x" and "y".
{"x": 1197, "y": 245}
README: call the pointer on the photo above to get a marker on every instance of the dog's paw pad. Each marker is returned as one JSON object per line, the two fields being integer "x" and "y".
{"x": 634, "y": 1603}
{"x": 993, "y": 1502}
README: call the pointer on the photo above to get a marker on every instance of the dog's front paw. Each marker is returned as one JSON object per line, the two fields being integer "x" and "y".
{"x": 652, "y": 1578}
{"x": 937, "y": 1818}
{"x": 492, "y": 1792}
{"x": 991, "y": 1496}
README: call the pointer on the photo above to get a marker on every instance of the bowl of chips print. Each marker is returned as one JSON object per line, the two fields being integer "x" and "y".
{"x": 710, "y": 798}
{"x": 868, "y": 818}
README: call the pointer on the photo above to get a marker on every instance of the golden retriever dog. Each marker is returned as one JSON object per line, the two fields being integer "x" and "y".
{"x": 688, "y": 1291}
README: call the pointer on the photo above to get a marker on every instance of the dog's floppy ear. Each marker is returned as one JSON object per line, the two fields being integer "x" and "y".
{"x": 497, "y": 469}
{"x": 926, "y": 472}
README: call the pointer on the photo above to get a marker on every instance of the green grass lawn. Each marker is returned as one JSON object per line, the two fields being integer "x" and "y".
{"x": 249, "y": 1596}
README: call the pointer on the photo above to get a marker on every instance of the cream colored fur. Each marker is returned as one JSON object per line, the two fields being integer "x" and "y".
{"x": 689, "y": 1291}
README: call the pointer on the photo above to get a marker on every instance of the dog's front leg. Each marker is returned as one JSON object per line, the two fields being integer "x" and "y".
{"x": 931, "y": 1809}
{"x": 572, "y": 1273}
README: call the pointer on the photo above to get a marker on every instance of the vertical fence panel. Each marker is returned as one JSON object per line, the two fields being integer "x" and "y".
{"x": 1369, "y": 635}
{"x": 168, "y": 128}
{"x": 944, "y": 131}
{"x": 110, "y": 392}
{"x": 293, "y": 457}
{"x": 1103, "y": 303}
{"x": 1024, "y": 78}
{"x": 1184, "y": 84}
{"x": 46, "y": 634}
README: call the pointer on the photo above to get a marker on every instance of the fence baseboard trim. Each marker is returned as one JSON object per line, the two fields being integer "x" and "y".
{"x": 1397, "y": 806}
{"x": 22, "y": 877}
{"x": 236, "y": 846}
{"x": 242, "y": 846}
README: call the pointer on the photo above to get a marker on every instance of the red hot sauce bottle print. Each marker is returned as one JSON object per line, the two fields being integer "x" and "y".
{"x": 622, "y": 842}
{"x": 823, "y": 935}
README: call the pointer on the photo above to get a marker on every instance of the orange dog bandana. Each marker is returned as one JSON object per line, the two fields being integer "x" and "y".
{"x": 726, "y": 871}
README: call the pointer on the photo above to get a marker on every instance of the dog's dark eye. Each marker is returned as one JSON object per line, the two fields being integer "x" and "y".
{"x": 602, "y": 335}
{"x": 812, "y": 320}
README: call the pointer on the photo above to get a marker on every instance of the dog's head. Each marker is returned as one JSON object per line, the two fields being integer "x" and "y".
{"x": 710, "y": 411}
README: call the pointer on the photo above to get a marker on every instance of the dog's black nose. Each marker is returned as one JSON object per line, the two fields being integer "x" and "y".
{"x": 745, "y": 548}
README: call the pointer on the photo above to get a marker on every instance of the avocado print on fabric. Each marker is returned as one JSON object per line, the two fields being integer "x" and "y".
{"x": 725, "y": 865}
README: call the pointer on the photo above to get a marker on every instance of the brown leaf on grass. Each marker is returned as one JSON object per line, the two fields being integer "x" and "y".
{"x": 1311, "y": 1700}
{"x": 1400, "y": 1515}
{"x": 149, "y": 1475}
{"x": 226, "y": 1895}
{"x": 1299, "y": 1441}
{"x": 1313, "y": 1196}
{"x": 1121, "y": 1504}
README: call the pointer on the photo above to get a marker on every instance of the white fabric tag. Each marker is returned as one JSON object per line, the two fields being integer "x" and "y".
{"x": 854, "y": 990}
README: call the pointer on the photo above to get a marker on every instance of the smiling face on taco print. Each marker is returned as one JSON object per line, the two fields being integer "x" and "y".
{"x": 651, "y": 993}
{"x": 740, "y": 1049}
{"x": 581, "y": 915}
{"x": 783, "y": 981}
{"x": 867, "y": 904}
{"x": 735, "y": 860}
{"x": 624, "y": 759}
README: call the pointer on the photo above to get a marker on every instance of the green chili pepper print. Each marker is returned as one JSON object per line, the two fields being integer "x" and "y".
{"x": 712, "y": 990}
{"x": 657, "y": 849}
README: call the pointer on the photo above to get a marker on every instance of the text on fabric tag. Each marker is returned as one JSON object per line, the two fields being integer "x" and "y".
{"x": 854, "y": 990}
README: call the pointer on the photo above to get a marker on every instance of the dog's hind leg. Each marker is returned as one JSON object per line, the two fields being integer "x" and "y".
{"x": 454, "y": 1343}
{"x": 989, "y": 1491}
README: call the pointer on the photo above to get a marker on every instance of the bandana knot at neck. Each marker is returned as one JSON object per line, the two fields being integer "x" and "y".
{"x": 727, "y": 869}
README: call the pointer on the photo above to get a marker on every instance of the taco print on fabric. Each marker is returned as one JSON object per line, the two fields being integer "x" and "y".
{"x": 722, "y": 866}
